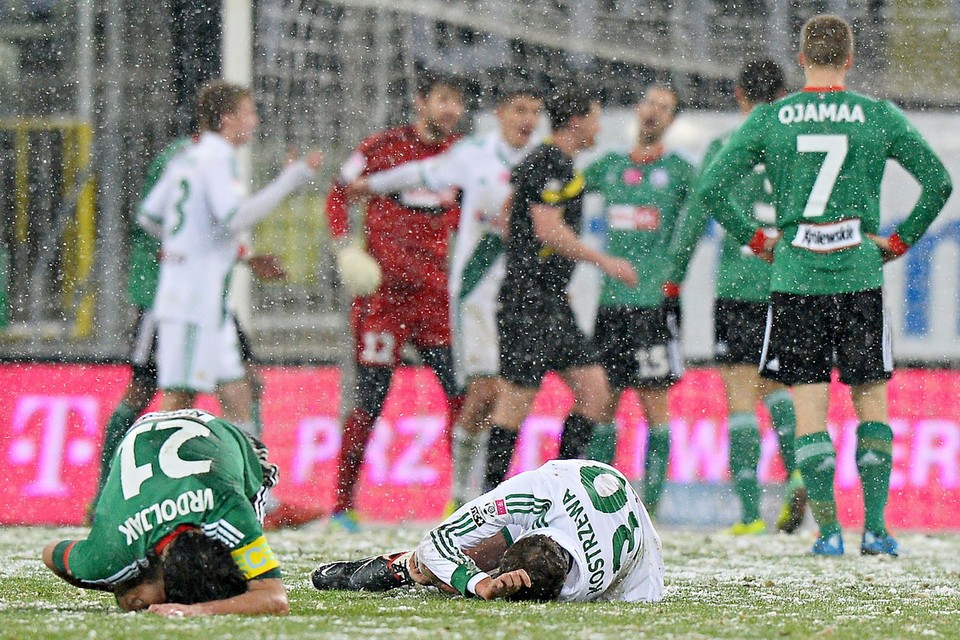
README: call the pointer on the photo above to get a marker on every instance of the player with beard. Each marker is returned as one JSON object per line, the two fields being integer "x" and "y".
{"x": 535, "y": 322}
{"x": 637, "y": 334}
{"x": 480, "y": 167}
{"x": 405, "y": 299}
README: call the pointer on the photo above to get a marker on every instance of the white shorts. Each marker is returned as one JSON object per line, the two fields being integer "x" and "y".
{"x": 192, "y": 357}
{"x": 476, "y": 349}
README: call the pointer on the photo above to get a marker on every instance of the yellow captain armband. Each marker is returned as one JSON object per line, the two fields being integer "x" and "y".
{"x": 255, "y": 558}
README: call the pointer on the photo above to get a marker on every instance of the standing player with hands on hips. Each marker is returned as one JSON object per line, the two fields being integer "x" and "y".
{"x": 825, "y": 149}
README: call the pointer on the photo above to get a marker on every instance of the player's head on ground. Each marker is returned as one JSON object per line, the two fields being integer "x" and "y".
{"x": 518, "y": 109}
{"x": 192, "y": 568}
{"x": 656, "y": 111}
{"x": 439, "y": 103}
{"x": 826, "y": 41}
{"x": 228, "y": 109}
{"x": 760, "y": 80}
{"x": 197, "y": 568}
{"x": 574, "y": 111}
{"x": 146, "y": 589}
{"x": 545, "y": 562}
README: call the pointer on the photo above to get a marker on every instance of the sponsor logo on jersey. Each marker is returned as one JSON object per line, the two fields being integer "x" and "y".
{"x": 630, "y": 217}
{"x": 820, "y": 112}
{"x": 255, "y": 558}
{"x": 632, "y": 176}
{"x": 487, "y": 512}
{"x": 826, "y": 238}
{"x": 660, "y": 178}
{"x": 167, "y": 511}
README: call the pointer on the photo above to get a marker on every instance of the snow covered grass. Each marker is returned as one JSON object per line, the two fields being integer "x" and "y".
{"x": 717, "y": 587}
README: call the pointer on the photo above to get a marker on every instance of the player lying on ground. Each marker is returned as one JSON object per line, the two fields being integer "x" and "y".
{"x": 572, "y": 530}
{"x": 178, "y": 528}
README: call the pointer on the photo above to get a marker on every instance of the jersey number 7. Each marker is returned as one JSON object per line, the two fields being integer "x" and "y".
{"x": 835, "y": 146}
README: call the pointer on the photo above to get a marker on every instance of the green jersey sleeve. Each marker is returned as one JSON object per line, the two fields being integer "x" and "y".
{"x": 733, "y": 161}
{"x": 914, "y": 154}
{"x": 691, "y": 226}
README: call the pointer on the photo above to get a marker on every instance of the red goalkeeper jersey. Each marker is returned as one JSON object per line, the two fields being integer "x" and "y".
{"x": 407, "y": 233}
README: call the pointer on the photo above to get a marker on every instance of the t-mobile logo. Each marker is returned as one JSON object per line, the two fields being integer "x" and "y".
{"x": 49, "y": 433}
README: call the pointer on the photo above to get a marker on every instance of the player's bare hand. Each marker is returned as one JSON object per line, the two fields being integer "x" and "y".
{"x": 620, "y": 269}
{"x": 313, "y": 159}
{"x": 267, "y": 266}
{"x": 887, "y": 252}
{"x": 504, "y": 585}
{"x": 174, "y": 610}
{"x": 358, "y": 189}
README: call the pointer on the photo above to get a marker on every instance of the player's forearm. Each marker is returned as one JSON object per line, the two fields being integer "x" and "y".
{"x": 684, "y": 242}
{"x": 554, "y": 233}
{"x": 404, "y": 176}
{"x": 936, "y": 187}
{"x": 263, "y": 597}
{"x": 259, "y": 205}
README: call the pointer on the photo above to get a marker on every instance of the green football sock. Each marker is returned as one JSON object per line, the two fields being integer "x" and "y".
{"x": 655, "y": 469}
{"x": 603, "y": 443}
{"x": 817, "y": 461}
{"x": 744, "y": 457}
{"x": 874, "y": 464}
{"x": 780, "y": 405}
{"x": 120, "y": 422}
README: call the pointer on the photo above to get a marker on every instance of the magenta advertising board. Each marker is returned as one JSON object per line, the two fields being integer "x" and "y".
{"x": 52, "y": 417}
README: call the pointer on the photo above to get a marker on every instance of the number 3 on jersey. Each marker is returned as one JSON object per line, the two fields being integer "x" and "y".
{"x": 132, "y": 475}
{"x": 835, "y": 146}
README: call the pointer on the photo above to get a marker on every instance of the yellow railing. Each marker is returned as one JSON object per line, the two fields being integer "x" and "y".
{"x": 78, "y": 241}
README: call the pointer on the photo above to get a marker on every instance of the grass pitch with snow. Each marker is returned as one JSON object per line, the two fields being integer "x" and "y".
{"x": 716, "y": 587}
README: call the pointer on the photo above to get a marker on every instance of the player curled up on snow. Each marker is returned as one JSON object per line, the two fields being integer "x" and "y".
{"x": 177, "y": 529}
{"x": 572, "y": 530}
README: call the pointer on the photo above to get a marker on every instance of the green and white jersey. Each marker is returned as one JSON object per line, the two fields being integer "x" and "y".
{"x": 740, "y": 274}
{"x": 144, "y": 248}
{"x": 825, "y": 151}
{"x": 588, "y": 508}
{"x": 642, "y": 204}
{"x": 480, "y": 167}
{"x": 200, "y": 209}
{"x": 171, "y": 469}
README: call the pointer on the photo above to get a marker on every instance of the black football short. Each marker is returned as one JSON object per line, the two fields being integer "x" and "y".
{"x": 537, "y": 338}
{"x": 637, "y": 347}
{"x": 807, "y": 336}
{"x": 143, "y": 350}
{"x": 738, "y": 328}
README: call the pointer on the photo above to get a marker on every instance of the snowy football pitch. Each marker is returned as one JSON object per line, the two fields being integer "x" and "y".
{"x": 716, "y": 587}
